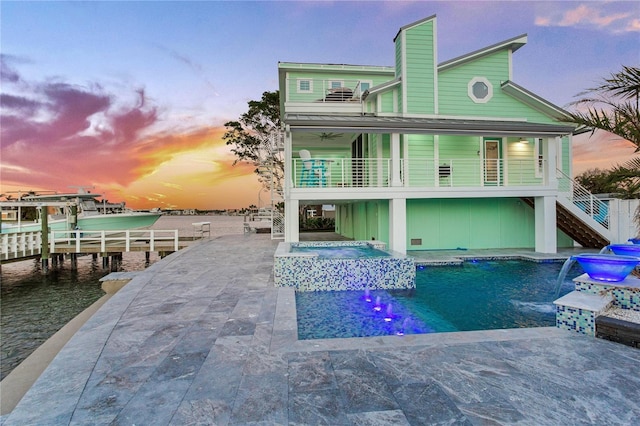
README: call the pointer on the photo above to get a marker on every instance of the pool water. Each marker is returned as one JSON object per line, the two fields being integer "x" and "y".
{"x": 341, "y": 252}
{"x": 481, "y": 295}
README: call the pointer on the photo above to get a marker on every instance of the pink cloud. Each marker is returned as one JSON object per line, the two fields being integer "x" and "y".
{"x": 597, "y": 15}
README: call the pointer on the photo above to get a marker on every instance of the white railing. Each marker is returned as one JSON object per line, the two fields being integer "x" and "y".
{"x": 328, "y": 90}
{"x": 20, "y": 244}
{"x": 416, "y": 173}
{"x": 105, "y": 240}
{"x": 341, "y": 172}
{"x": 579, "y": 196}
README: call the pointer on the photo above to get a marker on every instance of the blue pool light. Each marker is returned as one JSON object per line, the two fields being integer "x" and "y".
{"x": 389, "y": 316}
{"x": 607, "y": 267}
{"x": 378, "y": 306}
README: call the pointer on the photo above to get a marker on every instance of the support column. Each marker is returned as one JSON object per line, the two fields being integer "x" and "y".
{"x": 545, "y": 225}
{"x": 44, "y": 250}
{"x": 395, "y": 160}
{"x": 398, "y": 225}
{"x": 291, "y": 221}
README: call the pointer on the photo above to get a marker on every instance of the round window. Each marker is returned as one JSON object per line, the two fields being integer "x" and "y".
{"x": 480, "y": 90}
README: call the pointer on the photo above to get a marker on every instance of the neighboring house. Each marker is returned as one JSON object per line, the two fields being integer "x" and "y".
{"x": 425, "y": 156}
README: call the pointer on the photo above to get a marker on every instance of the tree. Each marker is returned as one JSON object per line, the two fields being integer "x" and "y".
{"x": 256, "y": 139}
{"x": 613, "y": 106}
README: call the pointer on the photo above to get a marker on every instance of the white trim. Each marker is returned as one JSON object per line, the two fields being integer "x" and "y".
{"x": 436, "y": 101}
{"x": 473, "y": 97}
{"x": 403, "y": 59}
{"x": 404, "y": 141}
{"x": 436, "y": 159}
{"x": 301, "y": 79}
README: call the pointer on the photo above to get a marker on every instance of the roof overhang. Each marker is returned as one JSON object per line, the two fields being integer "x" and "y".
{"x": 512, "y": 44}
{"x": 435, "y": 126}
{"x": 534, "y": 101}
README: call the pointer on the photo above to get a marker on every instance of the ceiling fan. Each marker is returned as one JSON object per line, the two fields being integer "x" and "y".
{"x": 328, "y": 135}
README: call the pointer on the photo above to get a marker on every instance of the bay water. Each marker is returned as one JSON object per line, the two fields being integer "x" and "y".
{"x": 34, "y": 306}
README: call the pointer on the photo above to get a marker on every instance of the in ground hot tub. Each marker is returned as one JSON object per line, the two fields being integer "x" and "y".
{"x": 341, "y": 265}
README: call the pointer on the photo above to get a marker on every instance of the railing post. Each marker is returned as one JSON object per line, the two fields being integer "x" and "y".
{"x": 175, "y": 240}
{"x": 103, "y": 242}
{"x": 127, "y": 243}
{"x": 152, "y": 241}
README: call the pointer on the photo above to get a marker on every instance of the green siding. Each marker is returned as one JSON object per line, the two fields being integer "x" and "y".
{"x": 454, "y": 98}
{"x": 470, "y": 223}
{"x": 420, "y": 84}
{"x": 321, "y": 81}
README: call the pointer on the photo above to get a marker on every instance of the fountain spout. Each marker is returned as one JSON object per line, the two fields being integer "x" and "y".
{"x": 562, "y": 275}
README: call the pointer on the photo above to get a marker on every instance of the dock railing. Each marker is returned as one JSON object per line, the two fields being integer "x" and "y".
{"x": 20, "y": 244}
{"x": 79, "y": 241}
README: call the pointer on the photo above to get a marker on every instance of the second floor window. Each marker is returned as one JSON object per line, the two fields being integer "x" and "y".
{"x": 305, "y": 85}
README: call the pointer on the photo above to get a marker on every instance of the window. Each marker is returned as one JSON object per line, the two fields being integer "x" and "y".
{"x": 336, "y": 84}
{"x": 305, "y": 85}
{"x": 480, "y": 90}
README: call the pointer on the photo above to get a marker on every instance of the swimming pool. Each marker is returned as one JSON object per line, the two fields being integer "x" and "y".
{"x": 477, "y": 295}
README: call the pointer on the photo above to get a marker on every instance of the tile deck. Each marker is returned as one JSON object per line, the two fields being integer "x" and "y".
{"x": 204, "y": 337}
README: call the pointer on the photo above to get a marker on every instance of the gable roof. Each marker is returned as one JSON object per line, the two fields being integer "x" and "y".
{"x": 513, "y": 44}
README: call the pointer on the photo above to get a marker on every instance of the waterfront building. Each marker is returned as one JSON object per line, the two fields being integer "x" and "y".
{"x": 425, "y": 155}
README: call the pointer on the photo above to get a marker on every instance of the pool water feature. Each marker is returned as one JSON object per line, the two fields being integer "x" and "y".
{"x": 341, "y": 265}
{"x": 477, "y": 295}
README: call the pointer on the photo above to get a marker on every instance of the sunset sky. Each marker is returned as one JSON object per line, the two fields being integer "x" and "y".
{"x": 131, "y": 97}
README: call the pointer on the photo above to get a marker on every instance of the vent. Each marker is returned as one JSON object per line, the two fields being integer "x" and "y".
{"x": 416, "y": 241}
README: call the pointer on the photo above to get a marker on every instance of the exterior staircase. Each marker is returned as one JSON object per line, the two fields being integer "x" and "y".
{"x": 579, "y": 214}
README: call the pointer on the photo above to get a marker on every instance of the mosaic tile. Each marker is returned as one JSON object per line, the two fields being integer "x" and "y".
{"x": 306, "y": 272}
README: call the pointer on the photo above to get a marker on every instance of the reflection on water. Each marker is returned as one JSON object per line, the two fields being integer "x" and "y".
{"x": 34, "y": 306}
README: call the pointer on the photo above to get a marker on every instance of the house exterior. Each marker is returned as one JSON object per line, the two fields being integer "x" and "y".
{"x": 428, "y": 156}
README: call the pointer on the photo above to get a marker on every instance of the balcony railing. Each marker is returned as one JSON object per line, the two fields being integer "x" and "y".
{"x": 316, "y": 90}
{"x": 415, "y": 173}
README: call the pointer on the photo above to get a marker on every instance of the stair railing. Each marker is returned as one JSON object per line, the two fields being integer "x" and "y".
{"x": 580, "y": 197}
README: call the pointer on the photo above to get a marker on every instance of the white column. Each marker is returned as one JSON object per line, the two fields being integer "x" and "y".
{"x": 395, "y": 160}
{"x": 545, "y": 225}
{"x": 549, "y": 153}
{"x": 291, "y": 217}
{"x": 398, "y": 225}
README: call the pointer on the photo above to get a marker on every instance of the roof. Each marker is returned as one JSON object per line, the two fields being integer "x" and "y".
{"x": 534, "y": 100}
{"x": 513, "y": 44}
{"x": 413, "y": 24}
{"x": 411, "y": 125}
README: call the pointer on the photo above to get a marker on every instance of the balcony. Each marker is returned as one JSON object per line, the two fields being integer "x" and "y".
{"x": 315, "y": 95}
{"x": 416, "y": 173}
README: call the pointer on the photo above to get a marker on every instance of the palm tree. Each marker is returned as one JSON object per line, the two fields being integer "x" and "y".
{"x": 613, "y": 106}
